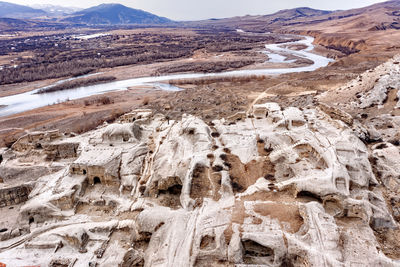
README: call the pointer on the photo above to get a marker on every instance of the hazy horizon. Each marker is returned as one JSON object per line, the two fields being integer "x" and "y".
{"x": 195, "y": 10}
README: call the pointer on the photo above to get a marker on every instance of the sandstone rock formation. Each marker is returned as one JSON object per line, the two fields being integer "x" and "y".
{"x": 278, "y": 187}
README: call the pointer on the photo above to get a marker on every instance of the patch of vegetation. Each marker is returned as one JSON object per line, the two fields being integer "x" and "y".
{"x": 211, "y": 80}
{"x": 206, "y": 67}
{"x": 77, "y": 83}
{"x": 59, "y": 56}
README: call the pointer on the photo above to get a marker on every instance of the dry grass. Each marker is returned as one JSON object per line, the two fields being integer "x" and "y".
{"x": 211, "y": 80}
{"x": 103, "y": 100}
{"x": 91, "y": 121}
{"x": 77, "y": 83}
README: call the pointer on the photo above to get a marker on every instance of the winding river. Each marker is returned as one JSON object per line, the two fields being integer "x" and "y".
{"x": 30, "y": 100}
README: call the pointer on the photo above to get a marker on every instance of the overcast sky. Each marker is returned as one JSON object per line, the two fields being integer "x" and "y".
{"x": 203, "y": 9}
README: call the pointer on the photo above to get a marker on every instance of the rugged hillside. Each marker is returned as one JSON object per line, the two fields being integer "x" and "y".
{"x": 369, "y": 21}
{"x": 8, "y": 24}
{"x": 9, "y": 10}
{"x": 274, "y": 186}
{"x": 373, "y": 29}
{"x": 32, "y": 25}
{"x": 375, "y": 17}
{"x": 265, "y": 23}
{"x": 381, "y": 16}
{"x": 115, "y": 14}
{"x": 290, "y": 14}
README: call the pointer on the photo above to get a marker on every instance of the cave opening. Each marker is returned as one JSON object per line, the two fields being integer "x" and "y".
{"x": 96, "y": 180}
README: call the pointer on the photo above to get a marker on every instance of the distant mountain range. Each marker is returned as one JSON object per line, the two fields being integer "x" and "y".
{"x": 295, "y": 13}
{"x": 112, "y": 14}
{"x": 381, "y": 16}
{"x": 9, "y": 10}
{"x": 117, "y": 14}
{"x": 105, "y": 14}
{"x": 264, "y": 22}
{"x": 56, "y": 11}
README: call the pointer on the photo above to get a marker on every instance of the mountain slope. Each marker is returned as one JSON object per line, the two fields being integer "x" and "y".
{"x": 9, "y": 10}
{"x": 381, "y": 16}
{"x": 261, "y": 22}
{"x": 112, "y": 14}
{"x": 295, "y": 13}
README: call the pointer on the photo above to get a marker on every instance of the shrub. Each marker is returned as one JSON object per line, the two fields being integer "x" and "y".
{"x": 77, "y": 83}
{"x": 146, "y": 101}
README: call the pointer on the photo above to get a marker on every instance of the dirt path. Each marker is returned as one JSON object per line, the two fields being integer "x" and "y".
{"x": 261, "y": 95}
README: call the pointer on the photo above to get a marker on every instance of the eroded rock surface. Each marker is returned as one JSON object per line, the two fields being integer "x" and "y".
{"x": 279, "y": 187}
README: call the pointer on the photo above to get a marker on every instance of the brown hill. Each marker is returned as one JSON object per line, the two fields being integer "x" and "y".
{"x": 382, "y": 16}
{"x": 265, "y": 22}
{"x": 369, "y": 33}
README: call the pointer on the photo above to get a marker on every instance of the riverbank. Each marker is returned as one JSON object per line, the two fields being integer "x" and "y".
{"x": 27, "y": 101}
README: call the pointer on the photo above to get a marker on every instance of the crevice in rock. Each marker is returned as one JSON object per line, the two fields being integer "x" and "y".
{"x": 255, "y": 253}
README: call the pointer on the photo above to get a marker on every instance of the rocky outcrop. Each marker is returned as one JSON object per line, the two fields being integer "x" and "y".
{"x": 14, "y": 195}
{"x": 379, "y": 93}
{"x": 277, "y": 187}
{"x": 336, "y": 113}
{"x": 34, "y": 140}
{"x": 60, "y": 150}
{"x": 374, "y": 88}
{"x": 344, "y": 45}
